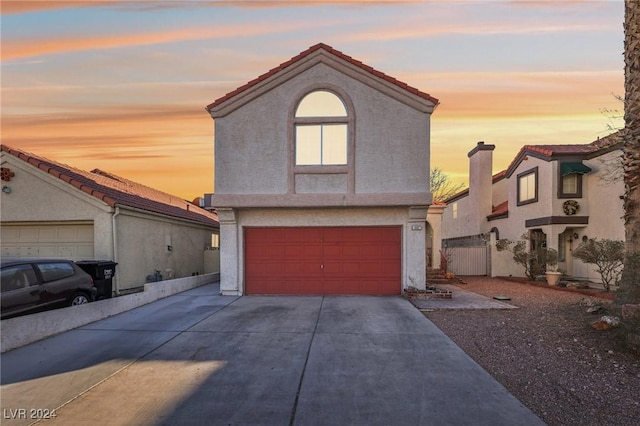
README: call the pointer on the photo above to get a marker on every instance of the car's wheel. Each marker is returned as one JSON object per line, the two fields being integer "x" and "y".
{"x": 79, "y": 299}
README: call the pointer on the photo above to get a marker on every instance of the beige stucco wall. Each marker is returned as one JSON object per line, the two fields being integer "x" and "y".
{"x": 460, "y": 225}
{"x": 232, "y": 238}
{"x": 143, "y": 247}
{"x": 601, "y": 201}
{"x": 141, "y": 239}
{"x": 37, "y": 196}
{"x": 391, "y": 140}
{"x": 434, "y": 219}
{"x": 500, "y": 192}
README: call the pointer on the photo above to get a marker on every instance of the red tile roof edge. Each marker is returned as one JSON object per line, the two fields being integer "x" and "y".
{"x": 500, "y": 208}
{"x": 83, "y": 181}
{"x": 333, "y": 51}
{"x": 546, "y": 152}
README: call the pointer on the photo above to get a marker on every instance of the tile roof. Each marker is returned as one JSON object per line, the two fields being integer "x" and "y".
{"x": 547, "y": 151}
{"x": 333, "y": 51}
{"x": 117, "y": 191}
{"x": 499, "y": 210}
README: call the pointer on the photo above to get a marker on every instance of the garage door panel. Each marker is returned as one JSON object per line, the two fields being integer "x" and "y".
{"x": 334, "y": 260}
{"x": 302, "y": 235}
{"x": 74, "y": 242}
{"x": 9, "y": 234}
{"x": 29, "y": 252}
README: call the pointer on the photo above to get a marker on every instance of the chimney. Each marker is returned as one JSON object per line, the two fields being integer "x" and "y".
{"x": 480, "y": 184}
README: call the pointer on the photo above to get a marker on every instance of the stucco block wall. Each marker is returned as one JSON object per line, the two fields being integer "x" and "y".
{"x": 253, "y": 142}
{"x": 232, "y": 238}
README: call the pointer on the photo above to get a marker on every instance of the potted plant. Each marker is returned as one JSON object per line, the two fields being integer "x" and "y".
{"x": 552, "y": 274}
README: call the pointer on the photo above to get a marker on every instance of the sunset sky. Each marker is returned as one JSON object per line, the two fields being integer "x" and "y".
{"x": 122, "y": 85}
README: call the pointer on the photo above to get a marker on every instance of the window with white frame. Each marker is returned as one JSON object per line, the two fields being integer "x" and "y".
{"x": 321, "y": 130}
{"x": 528, "y": 187}
{"x": 454, "y": 209}
{"x": 570, "y": 184}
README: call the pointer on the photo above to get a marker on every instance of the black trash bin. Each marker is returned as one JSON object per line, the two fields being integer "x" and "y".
{"x": 102, "y": 272}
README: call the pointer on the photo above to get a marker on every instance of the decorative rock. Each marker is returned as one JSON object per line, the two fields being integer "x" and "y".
{"x": 630, "y": 312}
{"x": 578, "y": 285}
{"x": 594, "y": 309}
{"x": 606, "y": 322}
{"x": 591, "y": 305}
{"x": 585, "y": 301}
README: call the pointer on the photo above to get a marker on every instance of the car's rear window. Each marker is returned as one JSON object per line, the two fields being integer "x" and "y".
{"x": 17, "y": 276}
{"x": 55, "y": 270}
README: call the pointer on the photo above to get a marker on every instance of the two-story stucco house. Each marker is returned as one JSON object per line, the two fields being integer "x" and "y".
{"x": 322, "y": 179}
{"x": 556, "y": 195}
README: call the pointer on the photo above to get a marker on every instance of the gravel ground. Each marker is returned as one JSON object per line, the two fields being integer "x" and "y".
{"x": 547, "y": 354}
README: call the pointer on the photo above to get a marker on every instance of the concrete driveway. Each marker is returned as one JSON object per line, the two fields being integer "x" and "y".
{"x": 200, "y": 358}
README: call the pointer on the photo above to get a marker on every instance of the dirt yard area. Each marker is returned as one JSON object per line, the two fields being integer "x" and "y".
{"x": 547, "y": 354}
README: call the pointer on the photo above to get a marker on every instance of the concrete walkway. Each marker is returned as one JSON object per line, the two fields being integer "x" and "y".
{"x": 199, "y": 358}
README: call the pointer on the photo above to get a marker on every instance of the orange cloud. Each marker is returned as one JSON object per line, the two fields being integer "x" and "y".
{"x": 520, "y": 94}
{"x": 23, "y": 48}
{"x": 16, "y": 6}
{"x": 159, "y": 147}
{"x": 420, "y": 30}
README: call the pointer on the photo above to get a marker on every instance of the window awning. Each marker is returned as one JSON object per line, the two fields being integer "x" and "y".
{"x": 568, "y": 168}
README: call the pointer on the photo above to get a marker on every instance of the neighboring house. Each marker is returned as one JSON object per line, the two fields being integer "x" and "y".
{"x": 322, "y": 179}
{"x": 49, "y": 209}
{"x": 557, "y": 194}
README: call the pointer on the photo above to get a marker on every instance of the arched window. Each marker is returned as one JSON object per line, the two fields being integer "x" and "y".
{"x": 321, "y": 130}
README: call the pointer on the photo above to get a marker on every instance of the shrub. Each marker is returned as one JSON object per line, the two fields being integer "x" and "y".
{"x": 534, "y": 262}
{"x": 607, "y": 255}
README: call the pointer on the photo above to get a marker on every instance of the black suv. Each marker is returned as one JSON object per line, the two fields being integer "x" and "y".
{"x": 33, "y": 285}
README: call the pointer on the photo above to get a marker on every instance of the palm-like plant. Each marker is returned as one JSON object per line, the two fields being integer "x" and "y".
{"x": 629, "y": 291}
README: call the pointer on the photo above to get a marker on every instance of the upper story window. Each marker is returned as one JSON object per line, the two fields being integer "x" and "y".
{"x": 321, "y": 130}
{"x": 454, "y": 209}
{"x": 570, "y": 182}
{"x": 528, "y": 187}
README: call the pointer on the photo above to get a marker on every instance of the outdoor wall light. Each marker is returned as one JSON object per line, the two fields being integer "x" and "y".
{"x": 6, "y": 189}
{"x": 575, "y": 236}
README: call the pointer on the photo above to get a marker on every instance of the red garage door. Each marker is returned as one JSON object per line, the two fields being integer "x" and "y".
{"x": 340, "y": 260}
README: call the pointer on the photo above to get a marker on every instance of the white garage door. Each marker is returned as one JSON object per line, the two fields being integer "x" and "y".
{"x": 73, "y": 242}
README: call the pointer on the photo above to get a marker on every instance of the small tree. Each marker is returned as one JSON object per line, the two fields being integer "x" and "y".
{"x": 607, "y": 255}
{"x": 534, "y": 262}
{"x": 441, "y": 185}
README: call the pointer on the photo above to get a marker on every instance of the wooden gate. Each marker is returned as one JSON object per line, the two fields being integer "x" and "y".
{"x": 467, "y": 260}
